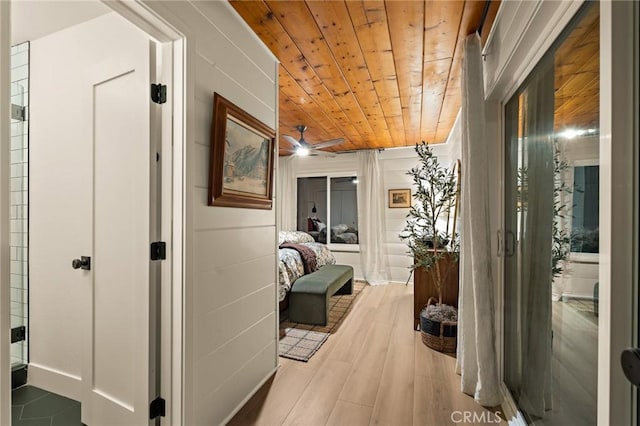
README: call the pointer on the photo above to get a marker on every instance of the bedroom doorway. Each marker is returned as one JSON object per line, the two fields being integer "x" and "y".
{"x": 99, "y": 195}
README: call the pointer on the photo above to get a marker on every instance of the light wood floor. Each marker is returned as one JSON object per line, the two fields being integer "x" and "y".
{"x": 374, "y": 370}
{"x": 574, "y": 368}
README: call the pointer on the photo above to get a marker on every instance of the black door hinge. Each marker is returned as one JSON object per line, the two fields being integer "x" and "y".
{"x": 158, "y": 250}
{"x": 18, "y": 112}
{"x": 159, "y": 93}
{"x": 18, "y": 334}
{"x": 157, "y": 408}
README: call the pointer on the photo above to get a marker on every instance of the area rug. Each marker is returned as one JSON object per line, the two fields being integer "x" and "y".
{"x": 302, "y": 341}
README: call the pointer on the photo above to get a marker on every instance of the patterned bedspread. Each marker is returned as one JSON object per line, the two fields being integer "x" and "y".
{"x": 290, "y": 267}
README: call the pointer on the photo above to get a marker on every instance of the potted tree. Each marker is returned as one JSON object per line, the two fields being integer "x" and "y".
{"x": 433, "y": 242}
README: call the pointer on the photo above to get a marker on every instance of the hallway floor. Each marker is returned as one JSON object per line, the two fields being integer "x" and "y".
{"x": 574, "y": 365}
{"x": 373, "y": 370}
{"x": 33, "y": 406}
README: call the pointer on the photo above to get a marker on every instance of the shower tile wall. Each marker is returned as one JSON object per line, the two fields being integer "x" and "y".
{"x": 19, "y": 199}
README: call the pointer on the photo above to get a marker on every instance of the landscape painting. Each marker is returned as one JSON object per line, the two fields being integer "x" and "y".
{"x": 246, "y": 160}
{"x": 242, "y": 151}
{"x": 399, "y": 198}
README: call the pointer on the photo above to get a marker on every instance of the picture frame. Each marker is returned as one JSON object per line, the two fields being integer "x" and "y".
{"x": 241, "y": 160}
{"x": 399, "y": 198}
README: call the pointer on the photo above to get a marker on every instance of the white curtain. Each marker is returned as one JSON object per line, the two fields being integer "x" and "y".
{"x": 286, "y": 194}
{"x": 537, "y": 222}
{"x": 371, "y": 224}
{"x": 477, "y": 355}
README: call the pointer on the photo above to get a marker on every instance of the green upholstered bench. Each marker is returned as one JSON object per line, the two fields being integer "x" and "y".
{"x": 309, "y": 295}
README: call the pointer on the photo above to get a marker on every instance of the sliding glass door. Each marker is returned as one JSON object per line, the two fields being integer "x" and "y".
{"x": 552, "y": 231}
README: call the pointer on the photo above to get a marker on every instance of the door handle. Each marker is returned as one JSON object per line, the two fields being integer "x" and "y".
{"x": 83, "y": 263}
{"x": 509, "y": 249}
{"x": 630, "y": 360}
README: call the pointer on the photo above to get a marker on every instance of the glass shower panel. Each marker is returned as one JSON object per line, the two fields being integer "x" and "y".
{"x": 19, "y": 199}
{"x": 551, "y": 231}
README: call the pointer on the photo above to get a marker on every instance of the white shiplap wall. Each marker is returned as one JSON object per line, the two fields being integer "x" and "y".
{"x": 230, "y": 295}
{"x": 394, "y": 164}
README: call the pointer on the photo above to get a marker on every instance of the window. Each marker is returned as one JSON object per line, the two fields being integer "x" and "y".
{"x": 328, "y": 209}
{"x": 585, "y": 215}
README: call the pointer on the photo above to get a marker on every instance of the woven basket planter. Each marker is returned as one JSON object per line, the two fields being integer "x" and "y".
{"x": 441, "y": 336}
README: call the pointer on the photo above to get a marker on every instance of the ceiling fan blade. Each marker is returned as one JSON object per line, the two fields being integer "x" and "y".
{"x": 327, "y": 144}
{"x": 292, "y": 141}
{"x": 322, "y": 153}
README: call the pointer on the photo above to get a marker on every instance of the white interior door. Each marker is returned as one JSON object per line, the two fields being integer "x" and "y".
{"x": 116, "y": 355}
{"x": 91, "y": 158}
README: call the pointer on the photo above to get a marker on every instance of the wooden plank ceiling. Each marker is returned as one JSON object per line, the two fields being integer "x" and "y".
{"x": 577, "y": 75}
{"x": 377, "y": 73}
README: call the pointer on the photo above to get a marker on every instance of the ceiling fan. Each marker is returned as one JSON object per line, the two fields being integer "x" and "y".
{"x": 301, "y": 147}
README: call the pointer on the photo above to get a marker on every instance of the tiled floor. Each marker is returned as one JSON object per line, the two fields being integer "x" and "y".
{"x": 32, "y": 406}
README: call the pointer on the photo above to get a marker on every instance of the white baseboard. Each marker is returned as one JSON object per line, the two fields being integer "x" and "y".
{"x": 55, "y": 381}
{"x": 253, "y": 392}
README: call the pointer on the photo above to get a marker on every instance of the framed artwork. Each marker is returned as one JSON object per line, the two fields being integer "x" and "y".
{"x": 399, "y": 198}
{"x": 242, "y": 155}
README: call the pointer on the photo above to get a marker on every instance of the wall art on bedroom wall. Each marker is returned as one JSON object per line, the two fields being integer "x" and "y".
{"x": 242, "y": 155}
{"x": 399, "y": 198}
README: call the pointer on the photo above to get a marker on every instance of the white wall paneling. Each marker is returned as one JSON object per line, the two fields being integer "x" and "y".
{"x": 230, "y": 318}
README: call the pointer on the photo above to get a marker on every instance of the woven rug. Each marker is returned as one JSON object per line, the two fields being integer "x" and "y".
{"x": 302, "y": 341}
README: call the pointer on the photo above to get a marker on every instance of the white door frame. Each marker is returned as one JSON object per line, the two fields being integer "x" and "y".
{"x": 5, "y": 125}
{"x": 172, "y": 46}
{"x": 617, "y": 197}
{"x": 509, "y": 60}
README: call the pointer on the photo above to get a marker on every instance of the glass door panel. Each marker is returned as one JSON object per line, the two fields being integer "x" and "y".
{"x": 551, "y": 231}
{"x": 19, "y": 203}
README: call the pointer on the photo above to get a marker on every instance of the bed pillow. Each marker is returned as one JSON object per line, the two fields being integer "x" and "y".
{"x": 294, "y": 237}
{"x": 339, "y": 229}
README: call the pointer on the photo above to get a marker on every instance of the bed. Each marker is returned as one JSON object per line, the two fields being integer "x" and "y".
{"x": 291, "y": 266}
{"x": 340, "y": 234}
